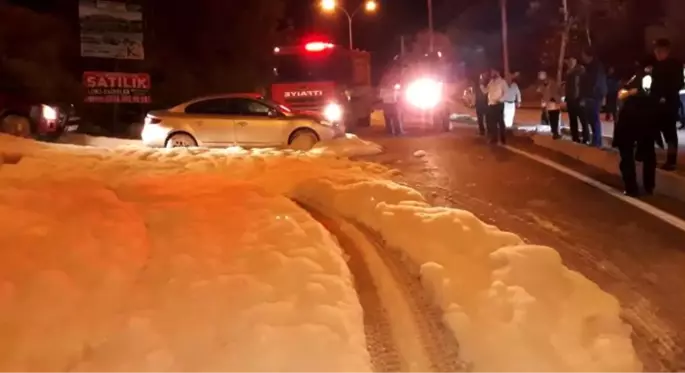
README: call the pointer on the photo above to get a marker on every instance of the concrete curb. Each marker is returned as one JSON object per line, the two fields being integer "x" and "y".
{"x": 667, "y": 183}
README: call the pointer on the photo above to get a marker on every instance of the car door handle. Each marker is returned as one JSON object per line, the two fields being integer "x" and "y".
{"x": 242, "y": 124}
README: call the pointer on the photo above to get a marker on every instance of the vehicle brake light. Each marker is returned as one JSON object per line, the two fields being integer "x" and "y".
{"x": 317, "y": 46}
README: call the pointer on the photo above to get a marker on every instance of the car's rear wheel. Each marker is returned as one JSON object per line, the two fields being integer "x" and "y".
{"x": 303, "y": 139}
{"x": 17, "y": 125}
{"x": 180, "y": 140}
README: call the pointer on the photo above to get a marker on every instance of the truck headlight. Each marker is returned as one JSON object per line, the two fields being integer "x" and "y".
{"x": 333, "y": 112}
{"x": 424, "y": 93}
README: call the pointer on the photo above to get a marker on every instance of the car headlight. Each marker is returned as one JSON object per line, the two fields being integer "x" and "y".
{"x": 333, "y": 112}
{"x": 49, "y": 113}
{"x": 424, "y": 93}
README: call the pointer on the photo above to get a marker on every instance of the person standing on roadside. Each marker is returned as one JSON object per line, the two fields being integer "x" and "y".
{"x": 635, "y": 134}
{"x": 593, "y": 90}
{"x": 481, "y": 102}
{"x": 391, "y": 114}
{"x": 512, "y": 100}
{"x": 496, "y": 90}
{"x": 667, "y": 81}
{"x": 544, "y": 117}
{"x": 572, "y": 94}
{"x": 551, "y": 99}
{"x": 613, "y": 86}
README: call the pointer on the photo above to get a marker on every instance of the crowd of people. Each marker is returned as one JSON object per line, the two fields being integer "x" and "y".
{"x": 644, "y": 115}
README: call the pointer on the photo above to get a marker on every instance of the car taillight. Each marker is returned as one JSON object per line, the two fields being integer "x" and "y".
{"x": 49, "y": 113}
{"x": 152, "y": 120}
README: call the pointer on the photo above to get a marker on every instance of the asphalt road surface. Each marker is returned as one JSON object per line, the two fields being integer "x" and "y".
{"x": 628, "y": 252}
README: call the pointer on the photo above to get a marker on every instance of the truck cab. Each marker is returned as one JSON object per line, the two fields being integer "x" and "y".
{"x": 323, "y": 77}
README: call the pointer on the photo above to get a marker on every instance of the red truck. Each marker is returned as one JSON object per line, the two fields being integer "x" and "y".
{"x": 327, "y": 78}
{"x": 20, "y": 116}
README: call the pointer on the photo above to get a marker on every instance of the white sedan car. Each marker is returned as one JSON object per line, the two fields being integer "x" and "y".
{"x": 247, "y": 120}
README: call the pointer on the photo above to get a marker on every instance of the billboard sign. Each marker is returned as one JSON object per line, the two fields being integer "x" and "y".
{"x": 111, "y": 29}
{"x": 111, "y": 87}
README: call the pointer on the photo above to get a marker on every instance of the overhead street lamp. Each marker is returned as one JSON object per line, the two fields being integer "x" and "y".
{"x": 369, "y": 6}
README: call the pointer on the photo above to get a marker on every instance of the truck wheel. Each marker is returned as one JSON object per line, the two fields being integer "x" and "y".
{"x": 17, "y": 125}
{"x": 364, "y": 121}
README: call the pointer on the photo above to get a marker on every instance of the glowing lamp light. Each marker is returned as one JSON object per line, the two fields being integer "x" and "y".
{"x": 371, "y": 6}
{"x": 277, "y": 50}
{"x": 424, "y": 93}
{"x": 333, "y": 112}
{"x": 397, "y": 86}
{"x": 317, "y": 46}
{"x": 328, "y": 5}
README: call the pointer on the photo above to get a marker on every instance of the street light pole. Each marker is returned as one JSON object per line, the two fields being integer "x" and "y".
{"x": 369, "y": 5}
{"x": 349, "y": 25}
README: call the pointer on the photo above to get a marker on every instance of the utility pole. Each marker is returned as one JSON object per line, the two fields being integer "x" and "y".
{"x": 505, "y": 36}
{"x": 564, "y": 40}
{"x": 430, "y": 25}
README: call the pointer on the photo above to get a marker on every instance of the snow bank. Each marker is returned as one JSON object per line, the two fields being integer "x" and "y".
{"x": 97, "y": 141}
{"x": 168, "y": 272}
{"x": 511, "y": 306}
{"x": 348, "y": 146}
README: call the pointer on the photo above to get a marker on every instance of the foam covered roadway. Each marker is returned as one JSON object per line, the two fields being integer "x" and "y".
{"x": 135, "y": 259}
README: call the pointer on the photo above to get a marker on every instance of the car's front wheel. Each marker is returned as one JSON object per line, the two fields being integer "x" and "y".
{"x": 16, "y": 125}
{"x": 180, "y": 140}
{"x": 303, "y": 139}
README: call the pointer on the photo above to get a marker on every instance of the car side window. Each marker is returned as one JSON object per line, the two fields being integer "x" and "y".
{"x": 252, "y": 108}
{"x": 214, "y": 106}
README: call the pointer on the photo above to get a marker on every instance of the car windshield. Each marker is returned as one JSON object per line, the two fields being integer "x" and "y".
{"x": 309, "y": 67}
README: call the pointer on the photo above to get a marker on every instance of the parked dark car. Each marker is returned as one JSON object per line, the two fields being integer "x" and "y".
{"x": 43, "y": 121}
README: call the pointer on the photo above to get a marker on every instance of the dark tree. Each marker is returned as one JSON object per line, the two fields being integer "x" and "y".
{"x": 221, "y": 46}
{"x": 34, "y": 55}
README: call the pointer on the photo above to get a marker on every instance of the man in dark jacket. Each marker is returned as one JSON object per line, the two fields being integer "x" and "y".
{"x": 593, "y": 89}
{"x": 572, "y": 94}
{"x": 481, "y": 102}
{"x": 667, "y": 75}
{"x": 635, "y": 134}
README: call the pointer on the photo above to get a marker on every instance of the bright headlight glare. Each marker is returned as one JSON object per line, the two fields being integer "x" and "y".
{"x": 333, "y": 112}
{"x": 49, "y": 113}
{"x": 424, "y": 93}
{"x": 647, "y": 82}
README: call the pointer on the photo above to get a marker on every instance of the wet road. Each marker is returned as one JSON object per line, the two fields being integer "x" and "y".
{"x": 628, "y": 252}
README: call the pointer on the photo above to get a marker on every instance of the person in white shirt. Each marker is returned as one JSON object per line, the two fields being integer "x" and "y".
{"x": 512, "y": 100}
{"x": 496, "y": 91}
